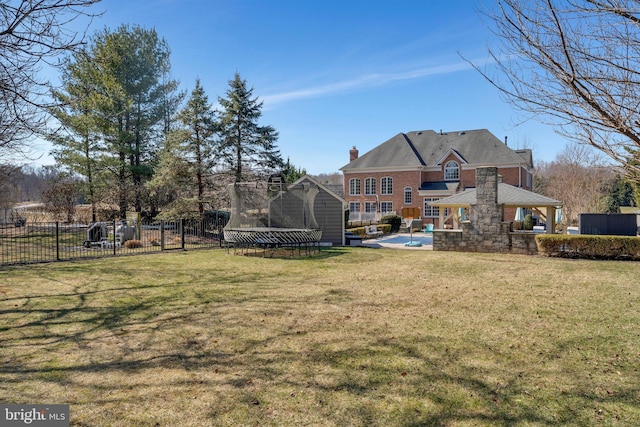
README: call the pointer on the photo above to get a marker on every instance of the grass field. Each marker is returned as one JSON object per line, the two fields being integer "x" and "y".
{"x": 349, "y": 337}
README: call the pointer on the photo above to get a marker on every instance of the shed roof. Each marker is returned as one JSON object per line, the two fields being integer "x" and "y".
{"x": 321, "y": 186}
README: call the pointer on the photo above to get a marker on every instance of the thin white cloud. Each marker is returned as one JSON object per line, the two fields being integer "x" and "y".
{"x": 362, "y": 82}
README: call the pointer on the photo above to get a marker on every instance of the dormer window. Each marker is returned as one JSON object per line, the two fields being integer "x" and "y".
{"x": 452, "y": 171}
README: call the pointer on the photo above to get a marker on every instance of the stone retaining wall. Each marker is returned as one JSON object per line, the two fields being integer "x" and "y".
{"x": 456, "y": 240}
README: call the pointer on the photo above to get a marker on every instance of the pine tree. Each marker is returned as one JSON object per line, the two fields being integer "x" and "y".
{"x": 618, "y": 192}
{"x": 125, "y": 76}
{"x": 188, "y": 155}
{"x": 243, "y": 142}
{"x": 78, "y": 144}
{"x": 291, "y": 173}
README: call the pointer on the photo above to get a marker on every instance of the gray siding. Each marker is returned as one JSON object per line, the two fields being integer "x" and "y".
{"x": 330, "y": 217}
{"x": 329, "y": 213}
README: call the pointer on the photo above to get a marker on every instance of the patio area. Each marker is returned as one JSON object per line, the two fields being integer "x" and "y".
{"x": 398, "y": 241}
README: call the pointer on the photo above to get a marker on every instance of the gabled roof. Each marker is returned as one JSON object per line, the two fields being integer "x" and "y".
{"x": 427, "y": 148}
{"x": 319, "y": 185}
{"x": 455, "y": 154}
{"x": 507, "y": 195}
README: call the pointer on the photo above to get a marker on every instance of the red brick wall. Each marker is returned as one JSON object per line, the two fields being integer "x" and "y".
{"x": 400, "y": 181}
{"x": 414, "y": 179}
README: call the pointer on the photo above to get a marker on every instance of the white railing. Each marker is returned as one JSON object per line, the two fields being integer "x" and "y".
{"x": 364, "y": 216}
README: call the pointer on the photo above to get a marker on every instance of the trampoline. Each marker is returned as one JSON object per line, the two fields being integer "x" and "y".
{"x": 270, "y": 215}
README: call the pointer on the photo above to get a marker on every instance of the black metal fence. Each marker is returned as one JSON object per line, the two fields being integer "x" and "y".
{"x": 54, "y": 241}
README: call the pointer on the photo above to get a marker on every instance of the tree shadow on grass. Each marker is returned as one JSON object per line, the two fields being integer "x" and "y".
{"x": 157, "y": 343}
{"x": 356, "y": 384}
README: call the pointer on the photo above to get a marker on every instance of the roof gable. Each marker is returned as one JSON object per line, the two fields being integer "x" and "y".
{"x": 455, "y": 154}
{"x": 319, "y": 185}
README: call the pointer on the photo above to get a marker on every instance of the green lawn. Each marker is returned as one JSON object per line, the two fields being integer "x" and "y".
{"x": 349, "y": 337}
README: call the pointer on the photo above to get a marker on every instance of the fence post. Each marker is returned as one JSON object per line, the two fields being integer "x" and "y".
{"x": 219, "y": 231}
{"x": 182, "y": 221}
{"x": 114, "y": 237}
{"x": 162, "y": 235}
{"x": 57, "y": 241}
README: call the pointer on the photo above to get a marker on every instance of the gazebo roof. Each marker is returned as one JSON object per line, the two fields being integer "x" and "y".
{"x": 508, "y": 195}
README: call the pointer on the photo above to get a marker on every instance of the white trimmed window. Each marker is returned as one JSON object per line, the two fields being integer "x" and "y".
{"x": 386, "y": 207}
{"x": 408, "y": 196}
{"x": 370, "y": 207}
{"x": 386, "y": 185}
{"x": 431, "y": 211}
{"x": 354, "y": 187}
{"x": 354, "y": 207}
{"x": 452, "y": 171}
{"x": 370, "y": 186}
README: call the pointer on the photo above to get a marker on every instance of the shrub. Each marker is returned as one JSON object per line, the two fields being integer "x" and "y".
{"x": 361, "y": 231}
{"x": 589, "y": 247}
{"x": 217, "y": 215}
{"x": 132, "y": 244}
{"x": 385, "y": 228}
{"x": 358, "y": 231}
{"x": 393, "y": 220}
{"x": 527, "y": 224}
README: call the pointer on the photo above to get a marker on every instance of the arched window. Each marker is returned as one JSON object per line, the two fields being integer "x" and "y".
{"x": 408, "y": 196}
{"x": 386, "y": 185}
{"x": 451, "y": 171}
{"x": 354, "y": 187}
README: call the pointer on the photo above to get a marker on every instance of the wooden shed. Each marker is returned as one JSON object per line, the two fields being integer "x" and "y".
{"x": 328, "y": 209}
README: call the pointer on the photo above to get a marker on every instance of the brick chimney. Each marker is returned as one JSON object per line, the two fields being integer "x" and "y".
{"x": 353, "y": 154}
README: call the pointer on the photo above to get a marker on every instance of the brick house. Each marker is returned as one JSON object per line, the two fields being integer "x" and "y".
{"x": 407, "y": 172}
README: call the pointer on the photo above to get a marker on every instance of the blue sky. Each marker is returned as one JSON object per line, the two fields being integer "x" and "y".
{"x": 335, "y": 74}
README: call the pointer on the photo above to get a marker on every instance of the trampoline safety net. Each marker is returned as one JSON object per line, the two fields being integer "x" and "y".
{"x": 272, "y": 213}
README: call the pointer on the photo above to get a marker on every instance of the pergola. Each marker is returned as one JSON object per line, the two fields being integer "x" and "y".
{"x": 508, "y": 196}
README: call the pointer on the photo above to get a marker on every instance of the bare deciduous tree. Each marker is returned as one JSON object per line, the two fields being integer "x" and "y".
{"x": 61, "y": 198}
{"x": 574, "y": 64}
{"x": 9, "y": 191}
{"x": 577, "y": 176}
{"x": 33, "y": 34}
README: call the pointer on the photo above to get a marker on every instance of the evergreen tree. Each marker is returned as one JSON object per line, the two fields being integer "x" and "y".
{"x": 619, "y": 192}
{"x": 291, "y": 173}
{"x": 132, "y": 66}
{"x": 78, "y": 142}
{"x": 243, "y": 142}
{"x": 188, "y": 156}
{"x": 119, "y": 102}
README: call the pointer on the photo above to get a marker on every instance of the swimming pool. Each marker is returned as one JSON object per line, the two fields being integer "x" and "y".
{"x": 401, "y": 239}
